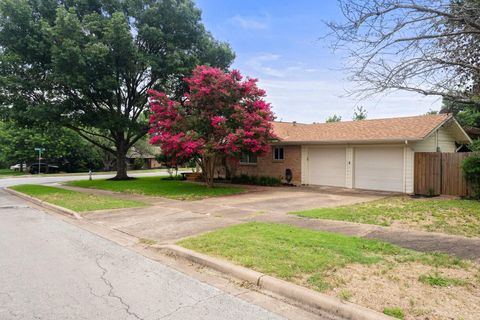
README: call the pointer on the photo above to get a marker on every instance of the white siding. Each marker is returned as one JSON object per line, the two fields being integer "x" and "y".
{"x": 442, "y": 138}
{"x": 446, "y": 140}
{"x": 349, "y": 174}
{"x": 409, "y": 169}
{"x": 427, "y": 145}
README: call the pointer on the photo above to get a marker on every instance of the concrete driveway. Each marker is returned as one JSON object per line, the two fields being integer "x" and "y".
{"x": 166, "y": 220}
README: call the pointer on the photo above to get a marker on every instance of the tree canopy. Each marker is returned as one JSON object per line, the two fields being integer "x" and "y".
{"x": 221, "y": 114}
{"x": 467, "y": 114}
{"x": 87, "y": 65}
{"x": 425, "y": 46}
{"x": 62, "y": 147}
{"x": 334, "y": 118}
{"x": 359, "y": 113}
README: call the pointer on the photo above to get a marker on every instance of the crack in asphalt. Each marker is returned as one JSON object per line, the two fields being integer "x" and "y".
{"x": 92, "y": 292}
{"x": 111, "y": 289}
{"x": 191, "y": 305}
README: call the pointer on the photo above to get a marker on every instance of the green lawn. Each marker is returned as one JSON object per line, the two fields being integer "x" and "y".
{"x": 73, "y": 200}
{"x": 8, "y": 173}
{"x": 452, "y": 216}
{"x": 372, "y": 273}
{"x": 159, "y": 186}
{"x": 295, "y": 253}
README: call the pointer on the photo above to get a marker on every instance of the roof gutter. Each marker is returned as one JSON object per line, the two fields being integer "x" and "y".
{"x": 332, "y": 142}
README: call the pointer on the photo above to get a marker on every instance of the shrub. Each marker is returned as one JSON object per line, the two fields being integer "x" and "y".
{"x": 268, "y": 181}
{"x": 138, "y": 163}
{"x": 394, "y": 312}
{"x": 471, "y": 172}
{"x": 475, "y": 145}
{"x": 256, "y": 180}
{"x": 439, "y": 281}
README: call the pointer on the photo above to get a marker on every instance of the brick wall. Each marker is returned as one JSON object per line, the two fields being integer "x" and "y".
{"x": 266, "y": 166}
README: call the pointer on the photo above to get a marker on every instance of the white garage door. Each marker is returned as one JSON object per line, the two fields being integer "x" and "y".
{"x": 326, "y": 166}
{"x": 379, "y": 169}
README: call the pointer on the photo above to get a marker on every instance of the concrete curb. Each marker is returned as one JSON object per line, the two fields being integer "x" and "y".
{"x": 44, "y": 204}
{"x": 328, "y": 304}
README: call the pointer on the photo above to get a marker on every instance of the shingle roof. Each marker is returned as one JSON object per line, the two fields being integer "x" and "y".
{"x": 377, "y": 130}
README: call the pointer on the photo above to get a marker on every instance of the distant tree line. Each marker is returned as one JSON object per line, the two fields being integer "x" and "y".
{"x": 63, "y": 147}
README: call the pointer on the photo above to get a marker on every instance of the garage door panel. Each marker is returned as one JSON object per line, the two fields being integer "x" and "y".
{"x": 379, "y": 169}
{"x": 327, "y": 166}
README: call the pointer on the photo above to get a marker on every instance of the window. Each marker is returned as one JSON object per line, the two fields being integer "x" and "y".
{"x": 278, "y": 153}
{"x": 248, "y": 158}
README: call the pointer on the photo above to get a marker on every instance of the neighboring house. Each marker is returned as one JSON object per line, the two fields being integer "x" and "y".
{"x": 143, "y": 159}
{"x": 368, "y": 154}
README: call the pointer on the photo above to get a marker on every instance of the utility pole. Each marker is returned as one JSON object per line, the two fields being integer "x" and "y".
{"x": 40, "y": 150}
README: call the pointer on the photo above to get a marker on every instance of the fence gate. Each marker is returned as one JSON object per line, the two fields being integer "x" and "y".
{"x": 440, "y": 173}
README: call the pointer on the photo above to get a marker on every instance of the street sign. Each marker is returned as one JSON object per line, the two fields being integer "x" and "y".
{"x": 40, "y": 150}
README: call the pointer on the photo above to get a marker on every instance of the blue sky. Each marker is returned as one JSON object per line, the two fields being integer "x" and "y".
{"x": 278, "y": 43}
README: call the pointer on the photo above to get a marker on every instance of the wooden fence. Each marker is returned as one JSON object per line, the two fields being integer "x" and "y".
{"x": 440, "y": 173}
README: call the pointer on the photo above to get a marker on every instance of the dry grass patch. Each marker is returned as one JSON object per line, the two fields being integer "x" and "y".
{"x": 393, "y": 285}
{"x": 148, "y": 242}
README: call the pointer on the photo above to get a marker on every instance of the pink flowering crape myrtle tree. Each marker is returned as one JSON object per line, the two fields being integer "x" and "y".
{"x": 220, "y": 115}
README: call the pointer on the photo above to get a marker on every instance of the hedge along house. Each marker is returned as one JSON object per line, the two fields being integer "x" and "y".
{"x": 367, "y": 154}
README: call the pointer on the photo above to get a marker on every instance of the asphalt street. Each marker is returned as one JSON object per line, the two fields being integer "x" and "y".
{"x": 51, "y": 270}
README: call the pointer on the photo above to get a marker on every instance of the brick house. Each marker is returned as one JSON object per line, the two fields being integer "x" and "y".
{"x": 369, "y": 154}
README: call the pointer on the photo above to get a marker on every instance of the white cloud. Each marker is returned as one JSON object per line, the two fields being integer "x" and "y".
{"x": 269, "y": 65}
{"x": 313, "y": 101}
{"x": 303, "y": 93}
{"x": 250, "y": 23}
{"x": 259, "y": 65}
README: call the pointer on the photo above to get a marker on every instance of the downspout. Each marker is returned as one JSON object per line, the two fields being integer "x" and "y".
{"x": 405, "y": 167}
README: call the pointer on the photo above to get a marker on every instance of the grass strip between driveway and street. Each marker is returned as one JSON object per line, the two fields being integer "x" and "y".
{"x": 368, "y": 272}
{"x": 450, "y": 216}
{"x": 74, "y": 200}
{"x": 159, "y": 186}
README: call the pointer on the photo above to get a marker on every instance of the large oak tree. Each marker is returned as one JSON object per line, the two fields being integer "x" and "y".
{"x": 88, "y": 64}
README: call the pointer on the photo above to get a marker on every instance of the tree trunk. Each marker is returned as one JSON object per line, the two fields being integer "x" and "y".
{"x": 208, "y": 168}
{"x": 121, "y": 161}
{"x": 228, "y": 174}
